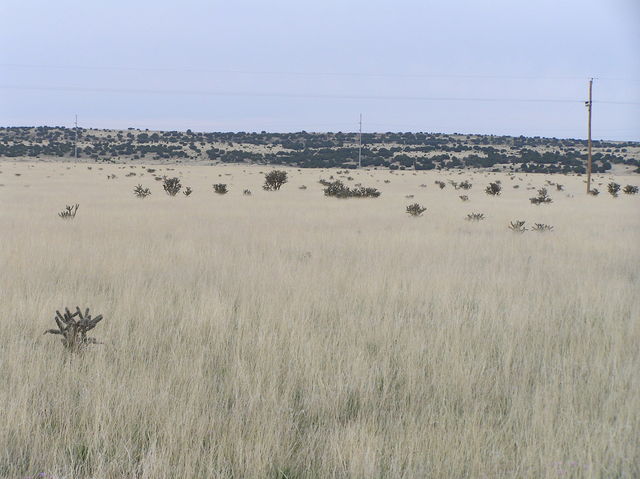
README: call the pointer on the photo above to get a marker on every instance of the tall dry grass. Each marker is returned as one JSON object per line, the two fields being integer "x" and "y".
{"x": 291, "y": 335}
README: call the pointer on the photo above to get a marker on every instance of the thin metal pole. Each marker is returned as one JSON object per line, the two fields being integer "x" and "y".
{"x": 360, "y": 144}
{"x": 76, "y": 140}
{"x": 589, "y": 105}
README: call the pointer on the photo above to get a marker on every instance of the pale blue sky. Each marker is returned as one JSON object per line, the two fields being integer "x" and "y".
{"x": 438, "y": 66}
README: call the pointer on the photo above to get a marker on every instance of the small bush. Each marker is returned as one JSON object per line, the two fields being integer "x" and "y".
{"x": 475, "y": 217}
{"x": 220, "y": 188}
{"x": 493, "y": 189}
{"x": 542, "y": 228}
{"x": 464, "y": 197}
{"x": 141, "y": 192}
{"x": 69, "y": 212}
{"x": 465, "y": 185}
{"x": 246, "y": 192}
{"x": 441, "y": 184}
{"x": 594, "y": 192}
{"x": 187, "y": 191}
{"x": 542, "y": 198}
{"x": 517, "y": 226}
{"x": 630, "y": 190}
{"x": 613, "y": 189}
{"x": 172, "y": 186}
{"x": 416, "y": 209}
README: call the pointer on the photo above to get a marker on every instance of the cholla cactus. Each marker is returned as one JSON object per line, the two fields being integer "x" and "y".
{"x": 69, "y": 212}
{"x": 141, "y": 192}
{"x": 172, "y": 186}
{"x": 517, "y": 226}
{"x": 75, "y": 332}
{"x": 416, "y": 209}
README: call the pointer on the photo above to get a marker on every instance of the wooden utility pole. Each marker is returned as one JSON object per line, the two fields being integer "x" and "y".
{"x": 589, "y": 104}
{"x": 360, "y": 144}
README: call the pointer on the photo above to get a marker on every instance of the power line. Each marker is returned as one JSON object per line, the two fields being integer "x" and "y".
{"x": 301, "y": 73}
{"x": 303, "y": 95}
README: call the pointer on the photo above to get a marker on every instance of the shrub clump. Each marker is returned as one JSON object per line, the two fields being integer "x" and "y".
{"x": 475, "y": 217}
{"x": 220, "y": 188}
{"x": 416, "y": 209}
{"x": 337, "y": 189}
{"x": 613, "y": 189}
{"x": 542, "y": 228}
{"x": 69, "y": 212}
{"x": 517, "y": 226}
{"x": 141, "y": 192}
{"x": 493, "y": 189}
{"x": 542, "y": 198}
{"x": 630, "y": 190}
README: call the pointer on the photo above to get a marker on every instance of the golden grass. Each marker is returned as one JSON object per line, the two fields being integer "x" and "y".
{"x": 287, "y": 334}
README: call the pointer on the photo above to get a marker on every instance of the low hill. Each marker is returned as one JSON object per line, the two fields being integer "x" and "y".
{"x": 422, "y": 151}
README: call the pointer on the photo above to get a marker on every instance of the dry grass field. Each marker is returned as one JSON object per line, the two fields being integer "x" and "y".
{"x": 292, "y": 335}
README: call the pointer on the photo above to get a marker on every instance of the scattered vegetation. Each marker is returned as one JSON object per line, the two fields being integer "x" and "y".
{"x": 441, "y": 184}
{"x": 339, "y": 190}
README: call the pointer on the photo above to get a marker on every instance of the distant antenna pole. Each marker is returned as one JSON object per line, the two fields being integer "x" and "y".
{"x": 76, "y": 141}
{"x": 360, "y": 144}
{"x": 589, "y": 104}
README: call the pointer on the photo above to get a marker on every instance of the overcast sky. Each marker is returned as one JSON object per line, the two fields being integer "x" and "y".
{"x": 495, "y": 66}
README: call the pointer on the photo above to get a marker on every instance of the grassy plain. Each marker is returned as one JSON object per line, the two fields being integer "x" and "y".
{"x": 287, "y": 334}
